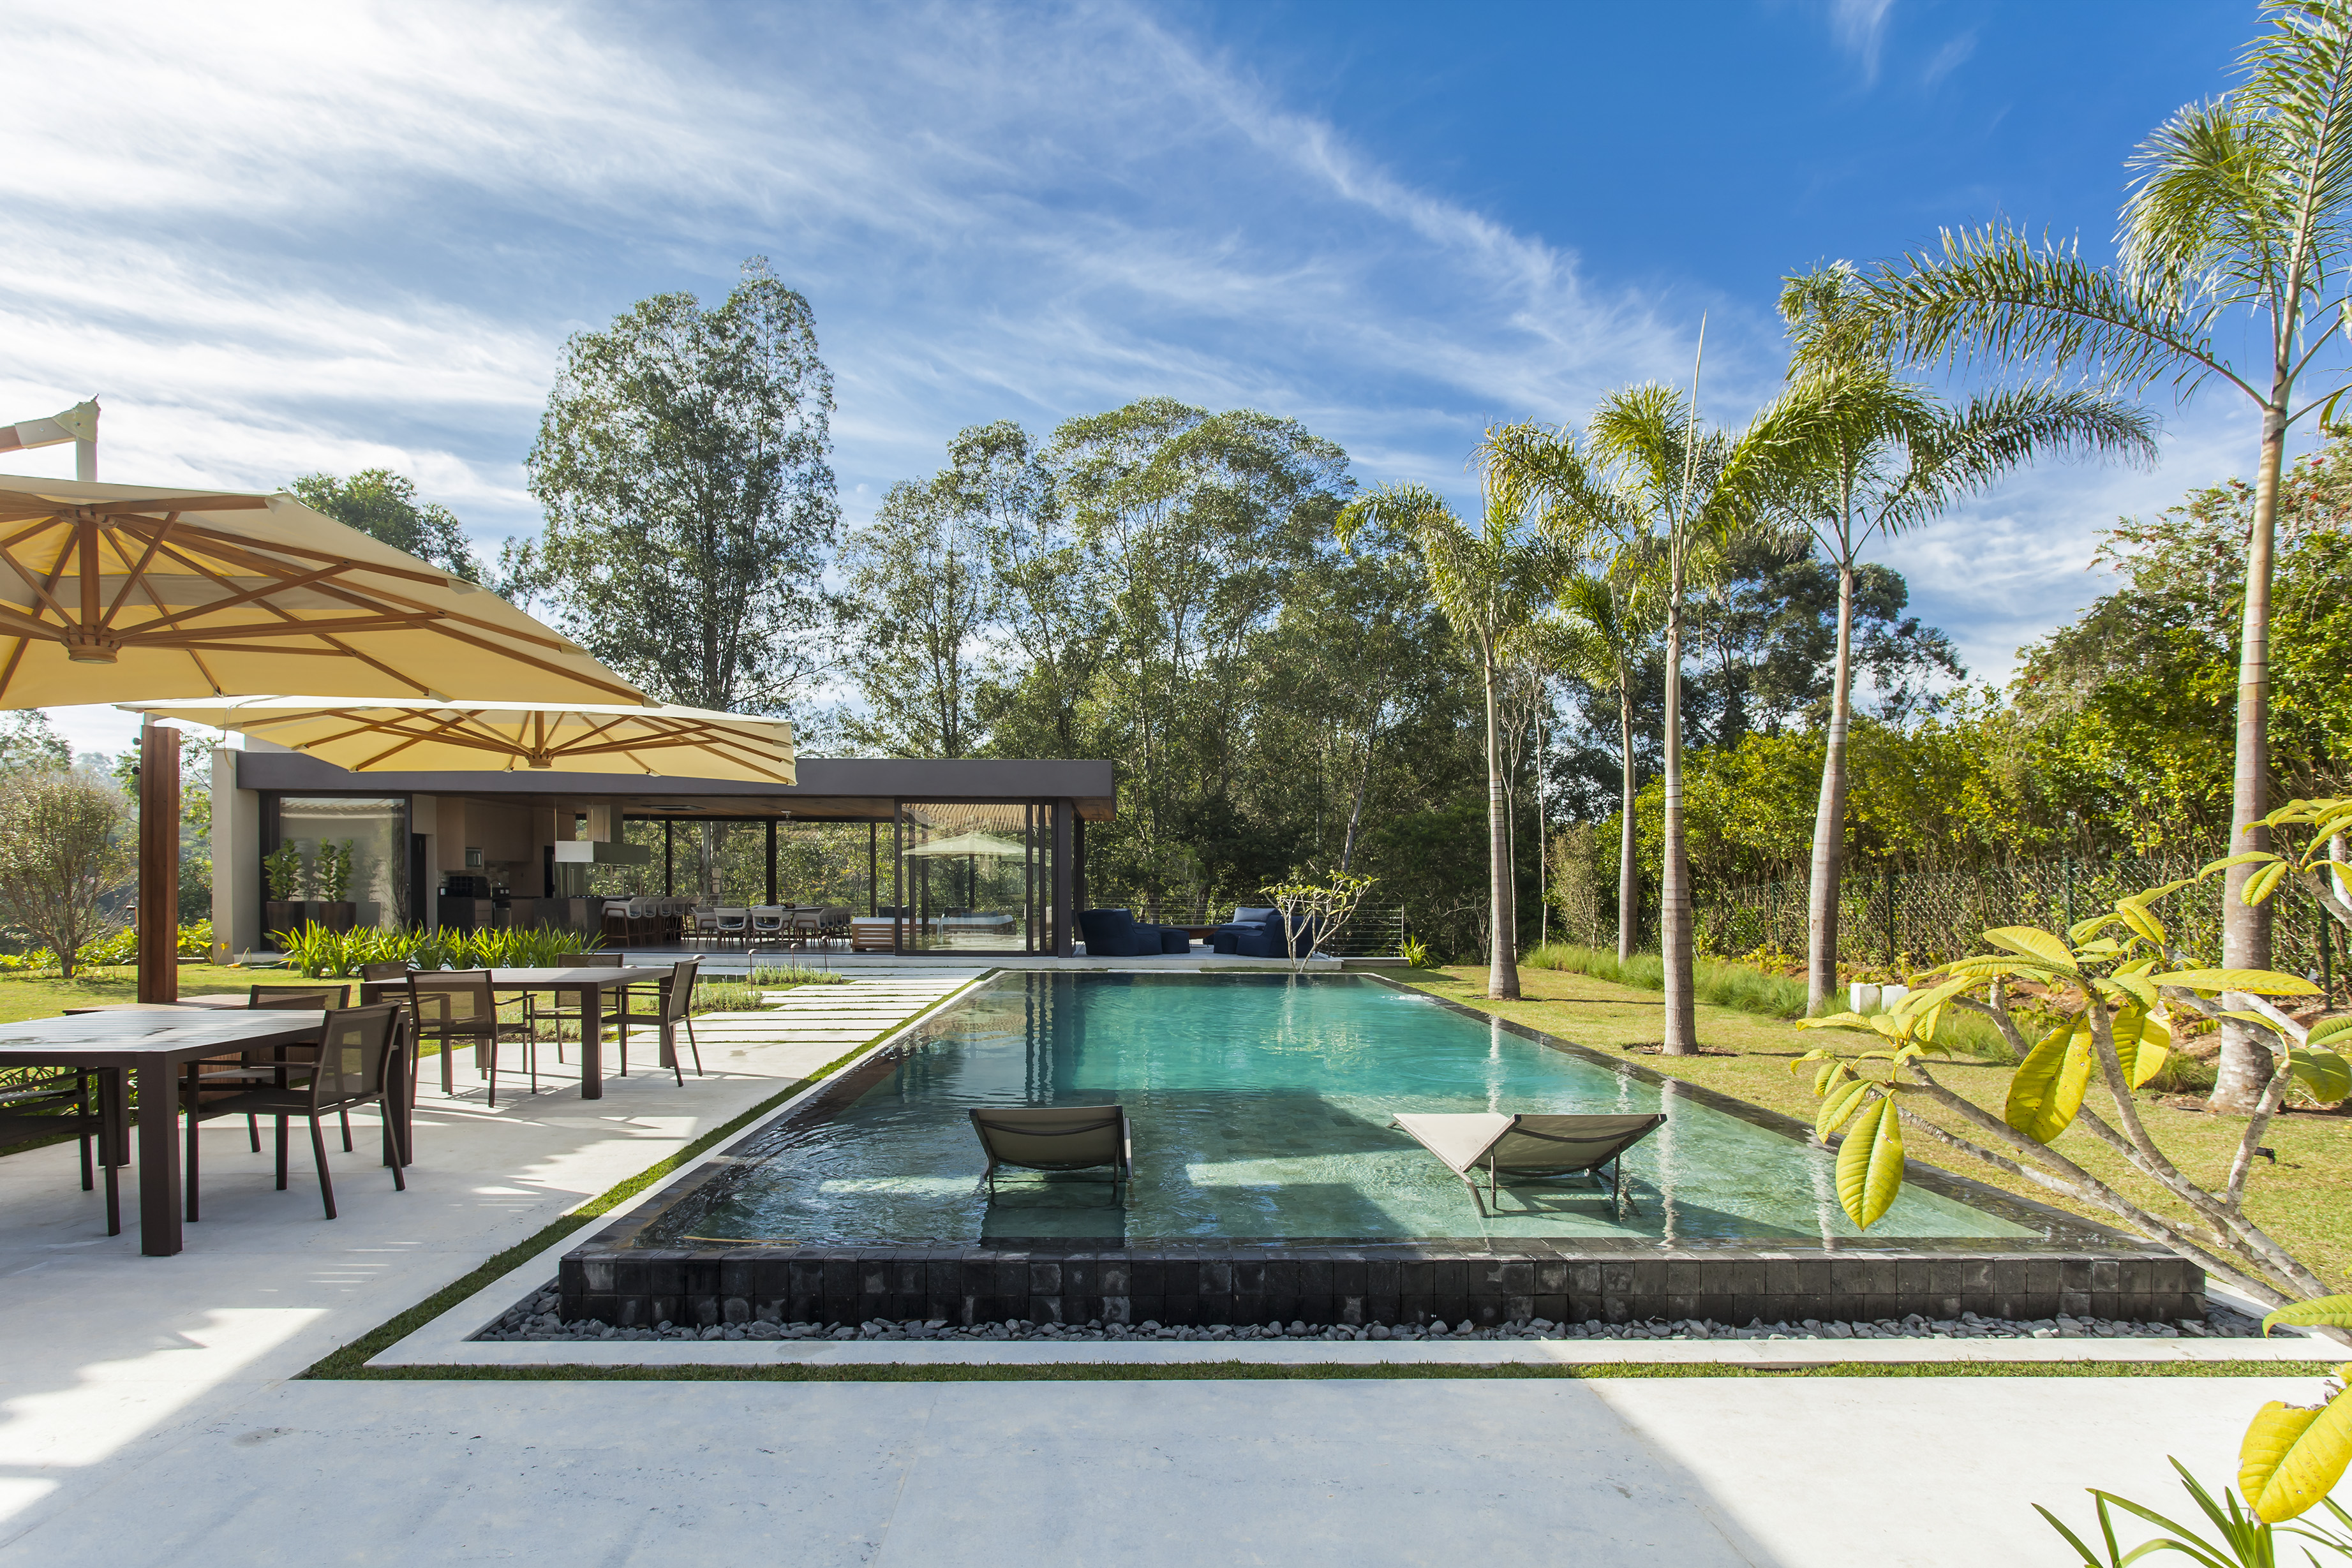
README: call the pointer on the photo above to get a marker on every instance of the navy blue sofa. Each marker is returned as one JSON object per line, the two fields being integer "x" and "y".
{"x": 1117, "y": 933}
{"x": 1257, "y": 934}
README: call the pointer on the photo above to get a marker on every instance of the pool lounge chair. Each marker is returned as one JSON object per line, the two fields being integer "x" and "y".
{"x": 1057, "y": 1138}
{"x": 1529, "y": 1146}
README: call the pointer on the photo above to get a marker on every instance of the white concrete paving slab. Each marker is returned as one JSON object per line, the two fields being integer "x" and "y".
{"x": 114, "y": 1353}
{"x": 1693, "y": 1473}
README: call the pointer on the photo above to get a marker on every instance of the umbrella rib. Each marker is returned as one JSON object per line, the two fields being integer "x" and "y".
{"x": 236, "y": 544}
{"x": 65, "y": 554}
{"x": 157, "y": 601}
{"x": 232, "y": 602}
{"x": 138, "y": 578}
{"x": 17, "y": 656}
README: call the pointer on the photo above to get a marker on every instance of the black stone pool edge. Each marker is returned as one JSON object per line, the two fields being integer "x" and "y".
{"x": 2073, "y": 1267}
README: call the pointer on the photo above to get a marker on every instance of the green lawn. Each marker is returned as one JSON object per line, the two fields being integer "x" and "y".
{"x": 2302, "y": 1200}
{"x": 22, "y": 999}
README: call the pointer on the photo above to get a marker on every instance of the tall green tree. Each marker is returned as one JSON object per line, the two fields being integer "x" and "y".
{"x": 1491, "y": 581}
{"x": 383, "y": 505}
{"x": 1194, "y": 522}
{"x": 2240, "y": 216}
{"x": 1881, "y": 455}
{"x": 918, "y": 577}
{"x": 66, "y": 856}
{"x": 683, "y": 467}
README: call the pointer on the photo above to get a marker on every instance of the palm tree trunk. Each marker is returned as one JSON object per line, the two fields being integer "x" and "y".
{"x": 1503, "y": 962}
{"x": 1829, "y": 819}
{"x": 1629, "y": 886}
{"x": 1674, "y": 891}
{"x": 2246, "y": 1065}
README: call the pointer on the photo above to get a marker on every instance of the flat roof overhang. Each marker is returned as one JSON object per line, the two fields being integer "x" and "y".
{"x": 831, "y": 789}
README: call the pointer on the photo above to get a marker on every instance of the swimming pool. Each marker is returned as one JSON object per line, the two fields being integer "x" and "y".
{"x": 1261, "y": 1106}
{"x": 1269, "y": 1185}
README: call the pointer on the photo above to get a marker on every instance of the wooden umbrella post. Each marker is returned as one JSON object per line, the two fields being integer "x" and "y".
{"x": 159, "y": 862}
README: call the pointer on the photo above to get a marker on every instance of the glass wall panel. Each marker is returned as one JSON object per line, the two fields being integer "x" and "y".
{"x": 827, "y": 864}
{"x": 375, "y": 832}
{"x": 975, "y": 878}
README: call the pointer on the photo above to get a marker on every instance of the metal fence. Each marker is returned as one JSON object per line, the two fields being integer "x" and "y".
{"x": 1374, "y": 931}
{"x": 1921, "y": 918}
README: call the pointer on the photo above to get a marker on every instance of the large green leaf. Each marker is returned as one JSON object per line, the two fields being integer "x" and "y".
{"x": 1837, "y": 1106}
{"x": 2143, "y": 1040}
{"x": 2327, "y": 1030}
{"x": 2320, "y": 1312}
{"x": 2254, "y": 982}
{"x": 2326, "y": 1076}
{"x": 2244, "y": 857}
{"x": 2291, "y": 1458}
{"x": 2142, "y": 923}
{"x": 1870, "y": 1162}
{"x": 2047, "y": 1089}
{"x": 2033, "y": 942}
{"x": 2263, "y": 883}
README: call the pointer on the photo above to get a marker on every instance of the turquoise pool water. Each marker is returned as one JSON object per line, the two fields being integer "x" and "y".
{"x": 1260, "y": 1107}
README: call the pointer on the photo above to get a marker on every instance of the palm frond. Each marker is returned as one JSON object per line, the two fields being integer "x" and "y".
{"x": 1992, "y": 294}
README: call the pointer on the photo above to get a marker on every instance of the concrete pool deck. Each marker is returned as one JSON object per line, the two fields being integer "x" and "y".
{"x": 153, "y": 1412}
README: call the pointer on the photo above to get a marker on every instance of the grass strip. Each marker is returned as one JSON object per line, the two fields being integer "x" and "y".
{"x": 351, "y": 1360}
{"x": 1261, "y": 1372}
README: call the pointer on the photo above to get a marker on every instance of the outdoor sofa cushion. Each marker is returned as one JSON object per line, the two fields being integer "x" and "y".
{"x": 1257, "y": 934}
{"x": 1117, "y": 933}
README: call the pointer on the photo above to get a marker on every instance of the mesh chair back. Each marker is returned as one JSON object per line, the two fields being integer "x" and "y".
{"x": 1565, "y": 1144}
{"x": 454, "y": 1001}
{"x": 390, "y": 970}
{"x": 1053, "y": 1138}
{"x": 592, "y": 960}
{"x": 679, "y": 995}
{"x": 351, "y": 1049}
{"x": 328, "y": 997}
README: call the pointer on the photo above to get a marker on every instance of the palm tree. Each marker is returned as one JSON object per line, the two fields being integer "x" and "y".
{"x": 1646, "y": 477}
{"x": 1598, "y": 638}
{"x": 1490, "y": 584}
{"x": 2241, "y": 204}
{"x": 1881, "y": 455}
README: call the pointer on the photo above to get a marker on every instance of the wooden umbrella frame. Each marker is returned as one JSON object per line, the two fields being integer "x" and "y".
{"x": 71, "y": 607}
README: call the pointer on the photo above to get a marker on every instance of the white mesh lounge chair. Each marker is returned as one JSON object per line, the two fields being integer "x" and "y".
{"x": 1529, "y": 1146}
{"x": 1057, "y": 1138}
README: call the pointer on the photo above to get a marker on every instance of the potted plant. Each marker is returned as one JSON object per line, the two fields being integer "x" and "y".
{"x": 333, "y": 875}
{"x": 281, "y": 872}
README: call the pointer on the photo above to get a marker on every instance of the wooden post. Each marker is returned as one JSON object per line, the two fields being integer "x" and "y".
{"x": 772, "y": 860}
{"x": 159, "y": 863}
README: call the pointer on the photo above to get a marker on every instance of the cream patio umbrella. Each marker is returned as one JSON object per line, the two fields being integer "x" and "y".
{"x": 376, "y": 736}
{"x": 113, "y": 593}
{"x": 120, "y": 592}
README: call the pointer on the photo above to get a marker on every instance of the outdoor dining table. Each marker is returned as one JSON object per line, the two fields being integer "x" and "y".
{"x": 588, "y": 985}
{"x": 154, "y": 1043}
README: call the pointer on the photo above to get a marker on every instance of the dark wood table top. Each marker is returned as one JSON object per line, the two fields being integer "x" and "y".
{"x": 138, "y": 1037}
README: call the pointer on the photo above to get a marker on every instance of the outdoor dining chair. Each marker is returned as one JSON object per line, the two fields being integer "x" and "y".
{"x": 47, "y": 1101}
{"x": 769, "y": 920}
{"x": 672, "y": 1012}
{"x": 454, "y": 1006}
{"x": 351, "y": 1065}
{"x": 555, "y": 1012}
{"x": 732, "y": 923}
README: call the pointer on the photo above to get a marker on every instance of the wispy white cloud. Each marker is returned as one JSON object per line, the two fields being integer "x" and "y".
{"x": 1860, "y": 29}
{"x": 1949, "y": 58}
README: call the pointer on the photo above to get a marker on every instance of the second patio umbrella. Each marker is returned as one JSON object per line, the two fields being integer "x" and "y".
{"x": 474, "y": 736}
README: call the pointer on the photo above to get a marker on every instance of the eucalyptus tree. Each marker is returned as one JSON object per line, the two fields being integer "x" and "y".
{"x": 2236, "y": 229}
{"x": 1880, "y": 455}
{"x": 1491, "y": 581}
{"x": 919, "y": 576}
{"x": 683, "y": 467}
{"x": 1191, "y": 524}
{"x": 383, "y": 505}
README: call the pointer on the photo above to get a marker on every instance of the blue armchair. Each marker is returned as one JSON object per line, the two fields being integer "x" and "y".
{"x": 1257, "y": 934}
{"x": 1117, "y": 933}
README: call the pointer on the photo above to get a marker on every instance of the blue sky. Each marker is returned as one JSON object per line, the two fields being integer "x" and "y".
{"x": 273, "y": 240}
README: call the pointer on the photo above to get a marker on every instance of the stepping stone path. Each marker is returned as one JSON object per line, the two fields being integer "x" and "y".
{"x": 818, "y": 1024}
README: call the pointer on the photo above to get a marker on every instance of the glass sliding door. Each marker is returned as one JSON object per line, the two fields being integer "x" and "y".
{"x": 975, "y": 877}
